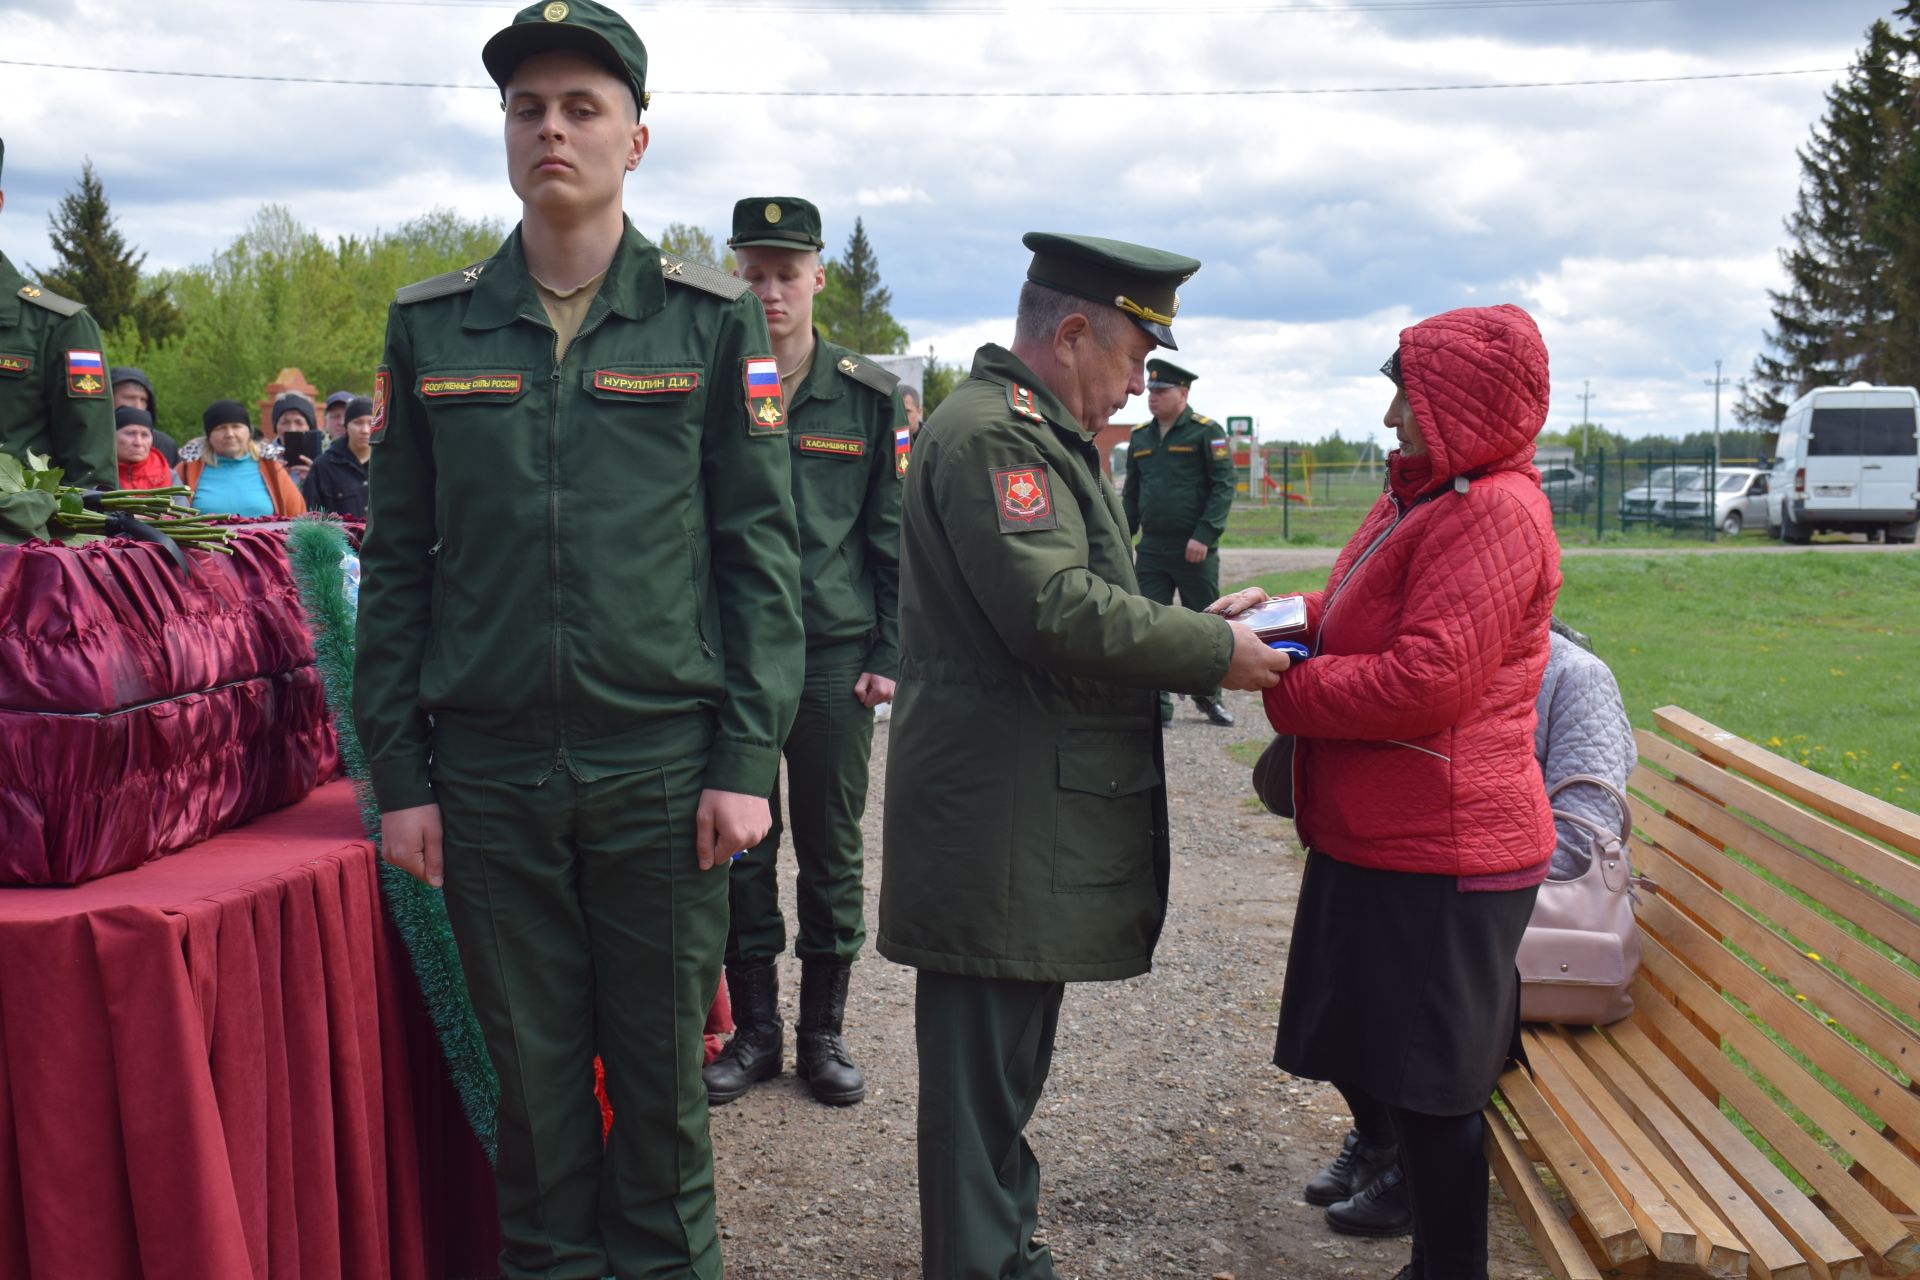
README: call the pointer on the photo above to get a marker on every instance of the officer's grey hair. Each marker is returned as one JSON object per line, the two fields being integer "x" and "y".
{"x": 1042, "y": 309}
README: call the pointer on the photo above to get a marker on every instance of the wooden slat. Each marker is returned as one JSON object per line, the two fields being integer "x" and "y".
{"x": 1875, "y": 1089}
{"x": 1878, "y": 818}
{"x": 1872, "y": 1224}
{"x": 1669, "y": 1236}
{"x": 1774, "y": 1257}
{"x": 1834, "y": 892}
{"x": 1858, "y": 854}
{"x": 1537, "y": 1210}
{"x": 1608, "y": 1221}
{"x": 1678, "y": 883}
{"x": 1827, "y": 1248}
{"x": 1718, "y": 1251}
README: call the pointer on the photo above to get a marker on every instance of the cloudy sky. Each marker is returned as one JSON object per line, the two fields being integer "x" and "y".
{"x": 1639, "y": 223}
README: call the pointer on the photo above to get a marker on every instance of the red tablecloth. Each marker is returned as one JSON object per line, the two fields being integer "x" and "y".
{"x": 216, "y": 1065}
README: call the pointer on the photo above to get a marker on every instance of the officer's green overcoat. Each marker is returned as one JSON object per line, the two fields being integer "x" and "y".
{"x": 1026, "y": 823}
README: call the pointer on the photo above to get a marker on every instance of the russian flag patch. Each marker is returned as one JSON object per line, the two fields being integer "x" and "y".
{"x": 86, "y": 374}
{"x": 766, "y": 404}
{"x": 902, "y": 447}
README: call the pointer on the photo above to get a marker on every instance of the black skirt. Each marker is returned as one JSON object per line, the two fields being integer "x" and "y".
{"x": 1402, "y": 986}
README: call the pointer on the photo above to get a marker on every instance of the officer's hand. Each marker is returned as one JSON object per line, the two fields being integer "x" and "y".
{"x": 872, "y": 690}
{"x": 1232, "y": 606}
{"x": 1196, "y": 551}
{"x": 410, "y": 840}
{"x": 726, "y": 823}
{"x": 1254, "y": 666}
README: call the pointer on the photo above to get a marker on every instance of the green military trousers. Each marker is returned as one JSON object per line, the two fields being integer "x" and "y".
{"x": 827, "y": 755}
{"x": 1161, "y": 573}
{"x": 585, "y": 926}
{"x": 985, "y": 1046}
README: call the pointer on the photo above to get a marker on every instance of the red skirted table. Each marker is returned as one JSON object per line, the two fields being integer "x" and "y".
{"x": 217, "y": 1066}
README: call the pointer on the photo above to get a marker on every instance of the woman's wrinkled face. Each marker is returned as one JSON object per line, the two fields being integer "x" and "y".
{"x": 1400, "y": 418}
{"x": 132, "y": 443}
{"x": 229, "y": 439}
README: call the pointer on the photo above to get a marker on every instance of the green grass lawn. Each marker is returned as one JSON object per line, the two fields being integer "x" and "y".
{"x": 1816, "y": 657}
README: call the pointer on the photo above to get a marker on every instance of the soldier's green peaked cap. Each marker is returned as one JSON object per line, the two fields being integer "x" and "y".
{"x": 1165, "y": 373}
{"x": 782, "y": 222}
{"x": 581, "y": 26}
{"x": 1140, "y": 281}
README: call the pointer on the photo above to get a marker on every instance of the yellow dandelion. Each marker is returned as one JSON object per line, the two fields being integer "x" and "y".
{"x": 1813, "y": 955}
{"x": 1835, "y": 671}
{"x": 1774, "y": 741}
{"x": 1802, "y": 999}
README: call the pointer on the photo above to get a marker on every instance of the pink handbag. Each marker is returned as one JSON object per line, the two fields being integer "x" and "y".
{"x": 1582, "y": 946}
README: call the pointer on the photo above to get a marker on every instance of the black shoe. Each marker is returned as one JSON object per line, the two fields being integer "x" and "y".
{"x": 753, "y": 1054}
{"x": 1352, "y": 1170}
{"x": 822, "y": 1059}
{"x": 1384, "y": 1209}
{"x": 1214, "y": 711}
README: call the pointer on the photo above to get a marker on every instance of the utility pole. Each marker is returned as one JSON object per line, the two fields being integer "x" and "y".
{"x": 1716, "y": 382}
{"x": 1586, "y": 415}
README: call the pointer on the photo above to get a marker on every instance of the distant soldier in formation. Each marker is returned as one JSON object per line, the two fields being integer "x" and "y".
{"x": 1179, "y": 491}
{"x": 54, "y": 396}
{"x": 848, "y": 432}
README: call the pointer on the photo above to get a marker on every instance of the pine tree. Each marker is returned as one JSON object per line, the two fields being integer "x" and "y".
{"x": 1846, "y": 306}
{"x": 853, "y": 310}
{"x": 98, "y": 267}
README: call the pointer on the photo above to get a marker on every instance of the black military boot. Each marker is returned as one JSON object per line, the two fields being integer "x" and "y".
{"x": 822, "y": 1059}
{"x": 1384, "y": 1209}
{"x": 753, "y": 1055}
{"x": 1214, "y": 710}
{"x": 1352, "y": 1170}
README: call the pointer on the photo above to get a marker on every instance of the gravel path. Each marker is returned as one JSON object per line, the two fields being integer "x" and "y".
{"x": 1169, "y": 1144}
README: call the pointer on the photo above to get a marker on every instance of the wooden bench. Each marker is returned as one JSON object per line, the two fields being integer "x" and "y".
{"x": 1770, "y": 1009}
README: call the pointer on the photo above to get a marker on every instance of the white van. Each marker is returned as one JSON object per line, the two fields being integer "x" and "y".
{"x": 1848, "y": 461}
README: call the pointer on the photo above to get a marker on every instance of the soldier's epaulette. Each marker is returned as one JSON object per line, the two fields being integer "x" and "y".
{"x": 713, "y": 281}
{"x": 459, "y": 280}
{"x": 868, "y": 374}
{"x": 51, "y": 301}
{"x": 1203, "y": 419}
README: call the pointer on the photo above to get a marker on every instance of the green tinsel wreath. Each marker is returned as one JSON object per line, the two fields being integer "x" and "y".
{"x": 315, "y": 548}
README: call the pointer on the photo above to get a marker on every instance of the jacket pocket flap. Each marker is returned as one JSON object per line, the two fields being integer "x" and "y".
{"x": 1107, "y": 769}
{"x": 1572, "y": 957}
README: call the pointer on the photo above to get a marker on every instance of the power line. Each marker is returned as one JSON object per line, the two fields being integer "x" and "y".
{"x": 1275, "y": 92}
{"x": 831, "y": 7}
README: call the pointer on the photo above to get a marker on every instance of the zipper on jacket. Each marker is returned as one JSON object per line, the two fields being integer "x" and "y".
{"x": 553, "y": 531}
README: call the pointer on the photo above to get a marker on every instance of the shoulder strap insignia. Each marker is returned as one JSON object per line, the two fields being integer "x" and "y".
{"x": 713, "y": 281}
{"x": 1203, "y": 419}
{"x": 51, "y": 301}
{"x": 457, "y": 281}
{"x": 1020, "y": 400}
{"x": 867, "y": 375}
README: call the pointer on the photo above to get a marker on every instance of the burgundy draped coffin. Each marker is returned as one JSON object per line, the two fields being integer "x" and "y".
{"x": 143, "y": 710}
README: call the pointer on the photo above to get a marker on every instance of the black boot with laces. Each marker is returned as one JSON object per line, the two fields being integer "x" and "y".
{"x": 1358, "y": 1164}
{"x": 1384, "y": 1209}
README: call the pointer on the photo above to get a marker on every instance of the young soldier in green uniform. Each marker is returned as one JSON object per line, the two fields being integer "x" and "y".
{"x": 1026, "y": 825}
{"x": 1179, "y": 490}
{"x": 580, "y": 651}
{"x": 845, "y": 421}
{"x": 54, "y": 397}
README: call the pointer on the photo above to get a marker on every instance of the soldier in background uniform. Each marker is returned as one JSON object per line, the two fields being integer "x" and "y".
{"x": 54, "y": 397}
{"x": 849, "y": 439}
{"x": 1179, "y": 491}
{"x": 579, "y": 652}
{"x": 1026, "y": 823}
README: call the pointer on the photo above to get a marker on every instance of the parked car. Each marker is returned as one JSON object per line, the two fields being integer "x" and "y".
{"x": 1739, "y": 500}
{"x": 1848, "y": 460}
{"x": 1642, "y": 503}
{"x": 1567, "y": 489}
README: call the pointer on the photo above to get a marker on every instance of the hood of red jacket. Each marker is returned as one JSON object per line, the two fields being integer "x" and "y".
{"x": 1477, "y": 381}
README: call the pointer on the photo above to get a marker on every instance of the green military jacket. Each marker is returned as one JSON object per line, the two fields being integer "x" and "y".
{"x": 846, "y": 425}
{"x": 54, "y": 395}
{"x": 1026, "y": 818}
{"x": 1179, "y": 487}
{"x": 588, "y": 563}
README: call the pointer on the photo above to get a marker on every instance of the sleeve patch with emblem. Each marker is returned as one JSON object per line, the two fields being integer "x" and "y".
{"x": 766, "y": 403}
{"x": 86, "y": 374}
{"x": 382, "y": 394}
{"x": 902, "y": 449}
{"x": 1219, "y": 447}
{"x": 1023, "y": 499}
{"x": 838, "y": 446}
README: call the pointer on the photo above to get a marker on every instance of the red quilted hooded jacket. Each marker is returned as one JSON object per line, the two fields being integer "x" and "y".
{"x": 1415, "y": 716}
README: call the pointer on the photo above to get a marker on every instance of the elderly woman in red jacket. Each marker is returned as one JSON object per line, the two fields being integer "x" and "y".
{"x": 1415, "y": 788}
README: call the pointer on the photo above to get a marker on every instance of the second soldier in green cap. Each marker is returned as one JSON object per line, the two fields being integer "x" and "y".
{"x": 847, "y": 429}
{"x": 1179, "y": 491}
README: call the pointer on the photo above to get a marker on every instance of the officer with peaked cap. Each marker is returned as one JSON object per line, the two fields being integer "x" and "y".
{"x": 850, "y": 449}
{"x": 1026, "y": 826}
{"x": 579, "y": 652}
{"x": 54, "y": 396}
{"x": 1179, "y": 491}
